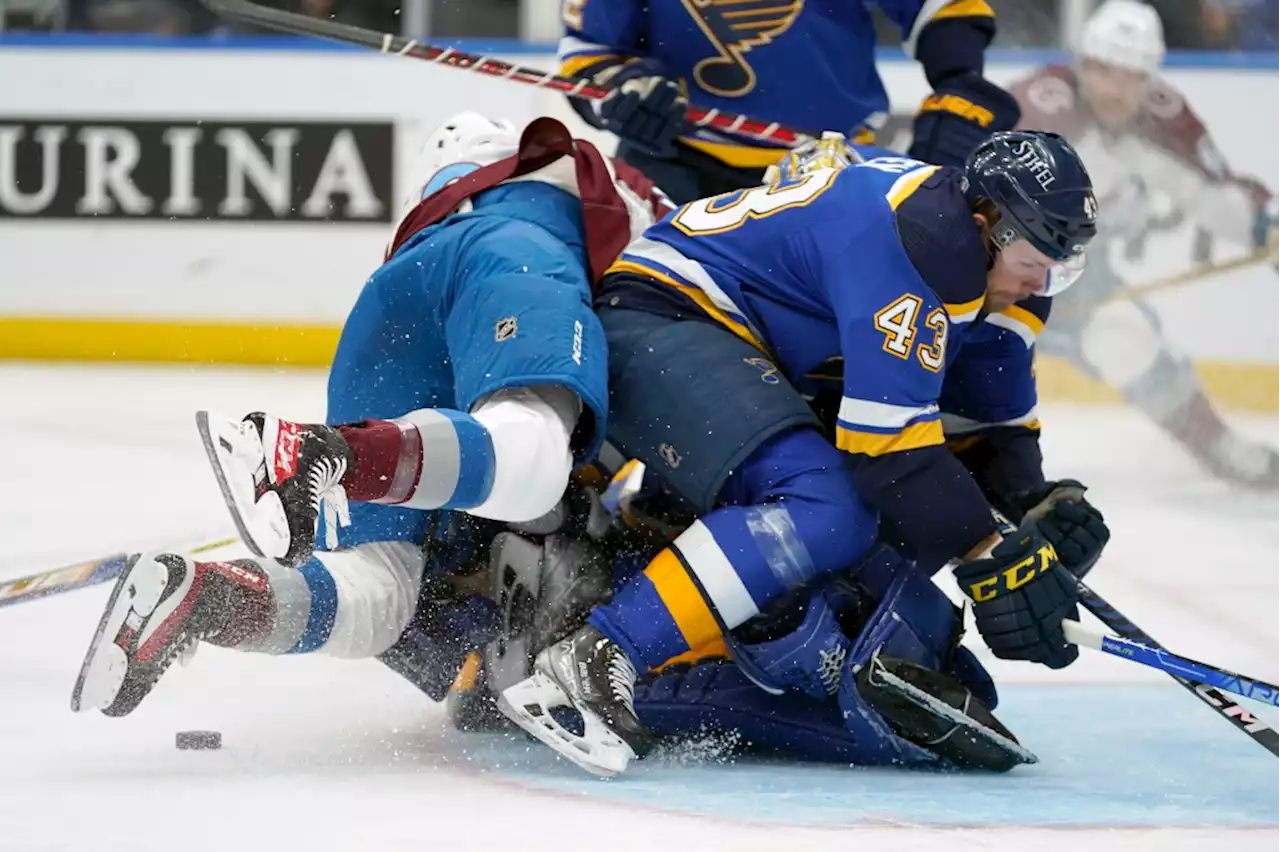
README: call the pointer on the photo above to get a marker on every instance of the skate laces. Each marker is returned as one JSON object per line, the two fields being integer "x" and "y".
{"x": 328, "y": 497}
{"x": 622, "y": 678}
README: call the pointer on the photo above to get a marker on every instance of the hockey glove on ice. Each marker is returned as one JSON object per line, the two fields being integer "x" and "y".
{"x": 1020, "y": 599}
{"x": 644, "y": 108}
{"x": 964, "y": 110}
{"x": 1069, "y": 522}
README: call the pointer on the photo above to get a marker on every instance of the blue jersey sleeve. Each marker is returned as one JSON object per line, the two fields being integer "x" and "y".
{"x": 946, "y": 38}
{"x": 992, "y": 381}
{"x": 893, "y": 336}
{"x": 913, "y": 17}
{"x": 989, "y": 402}
{"x": 892, "y": 332}
{"x": 598, "y": 32}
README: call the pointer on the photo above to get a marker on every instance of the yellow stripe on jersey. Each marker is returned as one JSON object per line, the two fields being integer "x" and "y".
{"x": 738, "y": 156}
{"x": 915, "y": 436}
{"x": 964, "y": 9}
{"x": 964, "y": 442}
{"x": 746, "y": 156}
{"x": 571, "y": 66}
{"x": 715, "y": 649}
{"x": 680, "y": 595}
{"x": 907, "y": 184}
{"x": 699, "y": 297}
{"x": 965, "y": 311}
{"x": 1025, "y": 317}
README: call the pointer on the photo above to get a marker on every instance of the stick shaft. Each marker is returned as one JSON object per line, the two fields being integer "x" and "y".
{"x": 78, "y": 576}
{"x": 1241, "y": 718}
{"x": 1173, "y": 664}
{"x": 1194, "y": 274}
{"x": 299, "y": 24}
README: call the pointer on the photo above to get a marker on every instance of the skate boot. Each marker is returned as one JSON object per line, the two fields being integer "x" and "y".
{"x": 1225, "y": 453}
{"x": 162, "y": 605}
{"x": 1239, "y": 460}
{"x": 275, "y": 476}
{"x": 592, "y": 675}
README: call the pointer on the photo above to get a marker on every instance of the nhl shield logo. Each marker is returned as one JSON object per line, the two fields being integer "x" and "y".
{"x": 504, "y": 329}
{"x": 669, "y": 455}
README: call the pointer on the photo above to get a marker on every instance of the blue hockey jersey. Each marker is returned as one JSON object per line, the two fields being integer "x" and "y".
{"x": 872, "y": 277}
{"x": 808, "y": 64}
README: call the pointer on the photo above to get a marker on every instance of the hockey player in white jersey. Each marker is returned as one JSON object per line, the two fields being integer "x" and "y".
{"x": 470, "y": 376}
{"x": 1146, "y": 150}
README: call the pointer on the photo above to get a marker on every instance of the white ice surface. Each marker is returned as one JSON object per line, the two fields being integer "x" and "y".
{"x": 328, "y": 755}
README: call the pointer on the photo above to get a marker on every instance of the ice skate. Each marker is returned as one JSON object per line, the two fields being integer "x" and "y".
{"x": 275, "y": 475}
{"x": 162, "y": 605}
{"x": 1235, "y": 459}
{"x": 592, "y": 675}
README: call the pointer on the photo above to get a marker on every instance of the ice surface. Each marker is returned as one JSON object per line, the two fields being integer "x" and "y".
{"x": 323, "y": 754}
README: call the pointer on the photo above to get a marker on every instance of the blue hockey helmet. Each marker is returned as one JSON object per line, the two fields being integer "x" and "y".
{"x": 1043, "y": 194}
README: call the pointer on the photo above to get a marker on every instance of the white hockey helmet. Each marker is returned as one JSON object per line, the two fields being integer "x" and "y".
{"x": 458, "y": 147}
{"x": 1124, "y": 33}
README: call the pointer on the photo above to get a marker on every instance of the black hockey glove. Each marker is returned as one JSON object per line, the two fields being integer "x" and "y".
{"x": 1020, "y": 599}
{"x": 964, "y": 110}
{"x": 1068, "y": 521}
{"x": 644, "y": 108}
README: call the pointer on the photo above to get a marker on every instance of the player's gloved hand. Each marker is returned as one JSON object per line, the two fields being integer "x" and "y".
{"x": 1068, "y": 521}
{"x": 1020, "y": 599}
{"x": 955, "y": 119}
{"x": 644, "y": 108}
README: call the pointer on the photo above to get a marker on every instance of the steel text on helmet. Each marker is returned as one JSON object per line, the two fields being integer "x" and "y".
{"x": 1032, "y": 187}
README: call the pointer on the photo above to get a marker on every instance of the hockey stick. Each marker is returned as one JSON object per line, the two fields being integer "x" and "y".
{"x": 1228, "y": 709}
{"x": 299, "y": 24}
{"x": 78, "y": 576}
{"x": 1170, "y": 663}
{"x": 1254, "y": 727}
{"x": 1187, "y": 276}
{"x": 1194, "y": 274}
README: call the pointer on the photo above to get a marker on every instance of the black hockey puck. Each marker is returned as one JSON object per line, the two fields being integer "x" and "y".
{"x": 198, "y": 740}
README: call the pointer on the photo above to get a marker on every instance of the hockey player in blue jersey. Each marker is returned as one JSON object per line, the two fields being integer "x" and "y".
{"x": 916, "y": 289}
{"x": 470, "y": 375}
{"x": 806, "y": 65}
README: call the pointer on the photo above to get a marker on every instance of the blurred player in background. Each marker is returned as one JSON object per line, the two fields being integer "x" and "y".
{"x": 470, "y": 375}
{"x": 1146, "y": 150}
{"x": 807, "y": 65}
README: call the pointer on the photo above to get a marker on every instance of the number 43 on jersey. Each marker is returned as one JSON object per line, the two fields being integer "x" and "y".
{"x": 898, "y": 322}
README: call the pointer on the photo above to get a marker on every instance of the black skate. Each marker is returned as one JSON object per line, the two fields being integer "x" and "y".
{"x": 591, "y": 674}
{"x": 162, "y": 605}
{"x": 937, "y": 712}
{"x": 275, "y": 476}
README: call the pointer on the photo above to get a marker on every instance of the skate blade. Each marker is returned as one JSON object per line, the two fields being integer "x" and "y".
{"x": 105, "y": 666}
{"x": 233, "y": 464}
{"x": 529, "y": 703}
